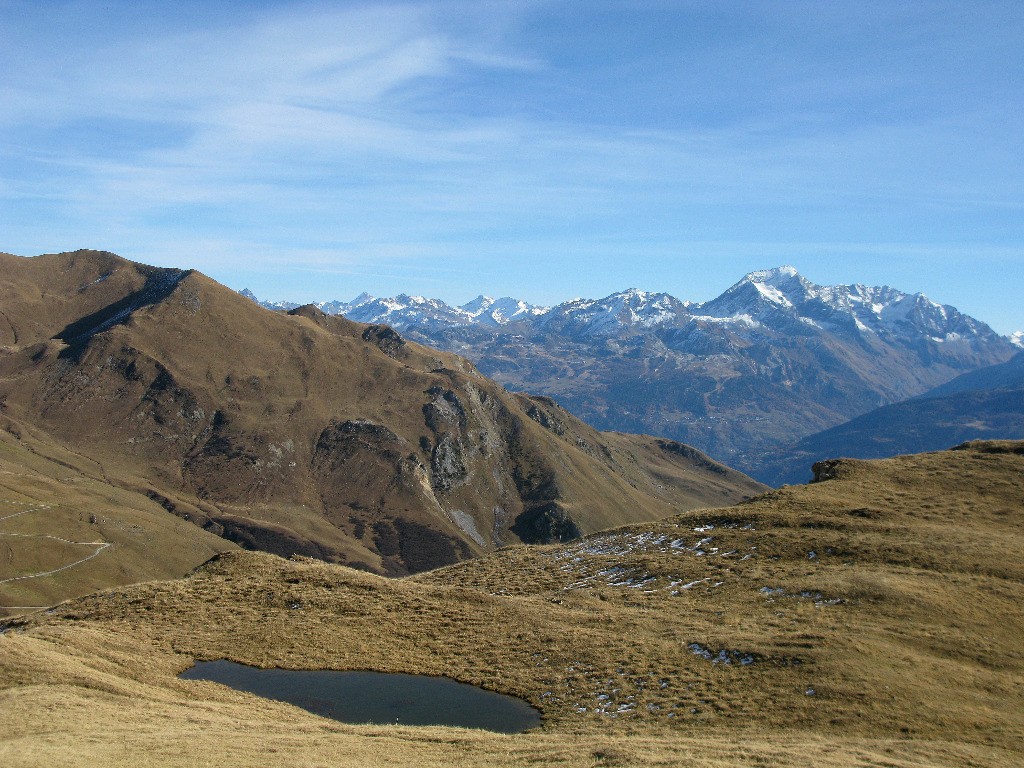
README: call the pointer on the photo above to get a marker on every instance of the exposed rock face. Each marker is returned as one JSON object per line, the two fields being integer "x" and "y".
{"x": 385, "y": 338}
{"x": 448, "y": 464}
{"x": 546, "y": 524}
{"x": 305, "y": 433}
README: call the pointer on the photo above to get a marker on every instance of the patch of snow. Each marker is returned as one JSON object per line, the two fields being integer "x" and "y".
{"x": 773, "y": 294}
{"x": 723, "y": 656}
{"x": 738, "y": 319}
{"x": 819, "y": 600}
{"x": 764, "y": 275}
{"x": 490, "y": 311}
{"x": 362, "y": 298}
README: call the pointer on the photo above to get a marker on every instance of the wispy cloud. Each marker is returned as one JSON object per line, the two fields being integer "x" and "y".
{"x": 328, "y": 138}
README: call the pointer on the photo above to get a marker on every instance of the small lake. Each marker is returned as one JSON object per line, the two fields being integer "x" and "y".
{"x": 376, "y": 697}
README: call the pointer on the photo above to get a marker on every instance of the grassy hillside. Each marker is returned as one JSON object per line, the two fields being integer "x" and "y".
{"x": 305, "y": 434}
{"x": 65, "y": 530}
{"x": 872, "y": 618}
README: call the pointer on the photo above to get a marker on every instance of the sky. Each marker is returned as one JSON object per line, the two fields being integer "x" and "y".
{"x": 543, "y": 149}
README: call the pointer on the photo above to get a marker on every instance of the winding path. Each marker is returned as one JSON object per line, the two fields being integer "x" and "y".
{"x": 100, "y": 546}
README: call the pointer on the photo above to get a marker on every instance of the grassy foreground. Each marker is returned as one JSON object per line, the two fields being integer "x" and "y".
{"x": 872, "y": 620}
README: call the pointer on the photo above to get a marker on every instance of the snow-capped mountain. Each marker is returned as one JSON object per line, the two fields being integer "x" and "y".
{"x": 770, "y": 299}
{"x": 1017, "y": 339}
{"x": 632, "y": 310}
{"x": 333, "y": 307}
{"x": 496, "y": 312}
{"x": 772, "y": 359}
{"x": 336, "y": 307}
{"x": 404, "y": 311}
{"x": 283, "y": 306}
{"x": 773, "y": 296}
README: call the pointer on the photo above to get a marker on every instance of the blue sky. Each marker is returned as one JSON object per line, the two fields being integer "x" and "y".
{"x": 540, "y": 149}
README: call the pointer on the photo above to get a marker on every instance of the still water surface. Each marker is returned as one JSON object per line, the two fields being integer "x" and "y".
{"x": 376, "y": 697}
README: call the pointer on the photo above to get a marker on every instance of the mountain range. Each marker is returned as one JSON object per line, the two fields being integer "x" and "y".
{"x": 403, "y": 310}
{"x": 774, "y": 359}
{"x": 295, "y": 433}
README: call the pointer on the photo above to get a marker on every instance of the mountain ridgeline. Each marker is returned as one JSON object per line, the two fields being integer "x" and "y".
{"x": 773, "y": 359}
{"x": 303, "y": 433}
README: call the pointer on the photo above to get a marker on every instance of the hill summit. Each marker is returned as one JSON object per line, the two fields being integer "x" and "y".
{"x": 304, "y": 433}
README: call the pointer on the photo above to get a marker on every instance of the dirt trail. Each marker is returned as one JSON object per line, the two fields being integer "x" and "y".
{"x": 100, "y": 546}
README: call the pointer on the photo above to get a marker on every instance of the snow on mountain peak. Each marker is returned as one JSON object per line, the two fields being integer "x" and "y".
{"x": 1017, "y": 339}
{"x": 631, "y": 308}
{"x": 782, "y": 295}
{"x": 765, "y": 290}
{"x": 633, "y": 293}
{"x": 480, "y": 304}
{"x": 772, "y": 294}
{"x": 778, "y": 298}
{"x": 275, "y": 305}
{"x": 362, "y": 298}
{"x": 770, "y": 275}
{"x": 490, "y": 311}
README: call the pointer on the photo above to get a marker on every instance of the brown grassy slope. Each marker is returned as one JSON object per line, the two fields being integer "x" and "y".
{"x": 314, "y": 435}
{"x": 712, "y": 638}
{"x": 41, "y": 296}
{"x": 65, "y": 531}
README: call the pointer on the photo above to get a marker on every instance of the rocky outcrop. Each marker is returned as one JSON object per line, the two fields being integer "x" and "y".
{"x": 828, "y": 469}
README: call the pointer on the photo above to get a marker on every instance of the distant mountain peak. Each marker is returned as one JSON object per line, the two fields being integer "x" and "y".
{"x": 486, "y": 310}
{"x": 1017, "y": 339}
{"x": 775, "y": 273}
{"x": 478, "y": 304}
{"x": 362, "y": 298}
{"x": 276, "y": 305}
{"x": 764, "y": 290}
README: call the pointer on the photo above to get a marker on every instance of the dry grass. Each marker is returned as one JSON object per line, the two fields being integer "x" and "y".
{"x": 918, "y": 664}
